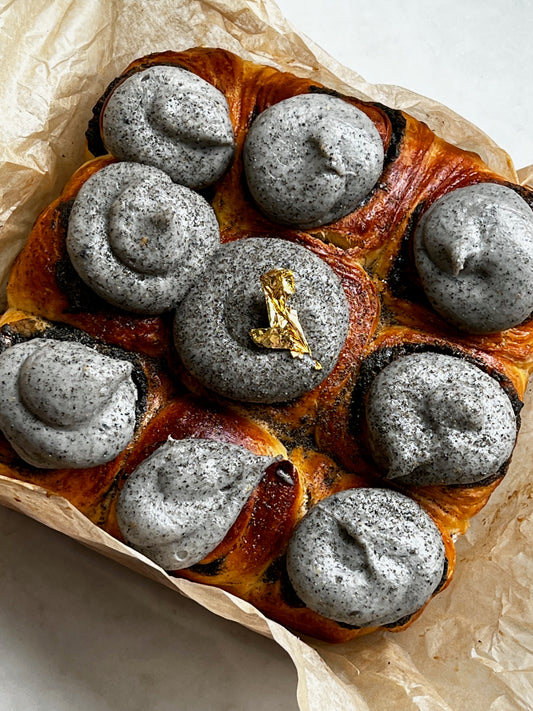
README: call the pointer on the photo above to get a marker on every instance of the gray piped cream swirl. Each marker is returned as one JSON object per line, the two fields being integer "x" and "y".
{"x": 366, "y": 557}
{"x": 64, "y": 405}
{"x": 139, "y": 240}
{"x": 172, "y": 119}
{"x": 474, "y": 255}
{"x": 311, "y": 159}
{"x": 180, "y": 503}
{"x": 436, "y": 419}
{"x": 213, "y": 323}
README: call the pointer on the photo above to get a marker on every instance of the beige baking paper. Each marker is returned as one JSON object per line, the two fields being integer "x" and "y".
{"x": 472, "y": 647}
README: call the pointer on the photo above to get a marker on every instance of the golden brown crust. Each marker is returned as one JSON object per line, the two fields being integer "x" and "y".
{"x": 321, "y": 435}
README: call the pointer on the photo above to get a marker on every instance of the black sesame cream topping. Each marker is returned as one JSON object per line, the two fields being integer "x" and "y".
{"x": 311, "y": 159}
{"x": 437, "y": 419}
{"x": 366, "y": 557}
{"x": 474, "y": 255}
{"x": 213, "y": 323}
{"x": 179, "y": 504}
{"x": 138, "y": 239}
{"x": 171, "y": 119}
{"x": 62, "y": 404}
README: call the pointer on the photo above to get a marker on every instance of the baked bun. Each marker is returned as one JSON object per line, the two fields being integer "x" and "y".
{"x": 292, "y": 304}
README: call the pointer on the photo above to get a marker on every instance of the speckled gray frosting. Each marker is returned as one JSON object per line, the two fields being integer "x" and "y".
{"x": 172, "y": 119}
{"x": 180, "y": 503}
{"x": 474, "y": 254}
{"x": 366, "y": 557}
{"x": 213, "y": 323}
{"x": 64, "y": 405}
{"x": 436, "y": 419}
{"x": 311, "y": 159}
{"x": 138, "y": 239}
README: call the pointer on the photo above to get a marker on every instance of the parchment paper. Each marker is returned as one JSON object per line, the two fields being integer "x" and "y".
{"x": 472, "y": 647}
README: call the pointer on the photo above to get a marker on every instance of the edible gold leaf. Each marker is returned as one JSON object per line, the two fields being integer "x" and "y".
{"x": 285, "y": 330}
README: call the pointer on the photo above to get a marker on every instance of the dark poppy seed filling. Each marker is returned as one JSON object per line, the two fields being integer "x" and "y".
{"x": 172, "y": 119}
{"x": 474, "y": 255}
{"x": 213, "y": 323}
{"x": 180, "y": 503}
{"x": 139, "y": 240}
{"x": 311, "y": 159}
{"x": 366, "y": 557}
{"x": 436, "y": 419}
{"x": 62, "y": 404}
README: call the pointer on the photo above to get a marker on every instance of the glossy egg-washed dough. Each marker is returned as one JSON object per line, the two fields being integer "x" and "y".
{"x": 321, "y": 435}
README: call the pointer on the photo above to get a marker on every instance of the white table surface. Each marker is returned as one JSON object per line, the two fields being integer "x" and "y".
{"x": 80, "y": 632}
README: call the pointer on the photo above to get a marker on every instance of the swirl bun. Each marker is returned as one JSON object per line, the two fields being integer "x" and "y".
{"x": 213, "y": 322}
{"x": 474, "y": 254}
{"x": 138, "y": 239}
{"x": 311, "y": 159}
{"x": 172, "y": 119}
{"x": 436, "y": 419}
{"x": 366, "y": 557}
{"x": 62, "y": 404}
{"x": 179, "y": 504}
